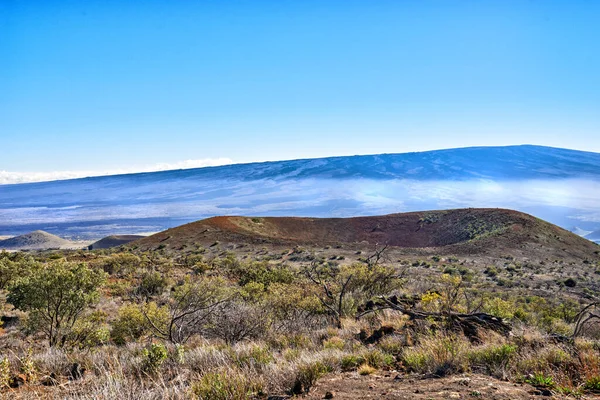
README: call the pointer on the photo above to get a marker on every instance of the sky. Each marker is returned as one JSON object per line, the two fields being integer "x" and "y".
{"x": 93, "y": 87}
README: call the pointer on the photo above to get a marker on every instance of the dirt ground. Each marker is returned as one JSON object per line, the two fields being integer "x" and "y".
{"x": 392, "y": 385}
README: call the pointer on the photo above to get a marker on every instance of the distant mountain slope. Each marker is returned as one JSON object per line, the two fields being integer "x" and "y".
{"x": 38, "y": 240}
{"x": 113, "y": 241}
{"x": 559, "y": 185}
{"x": 488, "y": 231}
{"x": 594, "y": 236}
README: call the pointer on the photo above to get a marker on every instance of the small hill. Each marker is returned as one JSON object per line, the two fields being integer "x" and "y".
{"x": 37, "y": 240}
{"x": 459, "y": 231}
{"x": 114, "y": 241}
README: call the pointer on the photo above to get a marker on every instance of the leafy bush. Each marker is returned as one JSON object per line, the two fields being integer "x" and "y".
{"x": 152, "y": 284}
{"x": 89, "y": 331}
{"x": 154, "y": 356}
{"x": 592, "y": 384}
{"x": 56, "y": 295}
{"x": 540, "y": 380}
{"x": 499, "y": 308}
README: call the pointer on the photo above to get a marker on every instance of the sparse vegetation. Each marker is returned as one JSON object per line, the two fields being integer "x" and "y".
{"x": 227, "y": 322}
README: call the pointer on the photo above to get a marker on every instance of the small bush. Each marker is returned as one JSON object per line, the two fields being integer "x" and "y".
{"x": 392, "y": 344}
{"x": 438, "y": 355}
{"x": 307, "y": 375}
{"x": 494, "y": 359}
{"x": 154, "y": 357}
{"x": 90, "y": 331}
{"x": 28, "y": 367}
{"x": 366, "y": 369}
{"x": 592, "y": 384}
{"x": 378, "y": 359}
{"x": 335, "y": 342}
{"x": 4, "y": 373}
{"x": 129, "y": 325}
{"x": 351, "y": 362}
{"x": 540, "y": 380}
{"x": 256, "y": 356}
{"x": 222, "y": 385}
{"x": 152, "y": 284}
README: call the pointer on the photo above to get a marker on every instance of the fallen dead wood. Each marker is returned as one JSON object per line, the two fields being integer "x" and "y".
{"x": 469, "y": 323}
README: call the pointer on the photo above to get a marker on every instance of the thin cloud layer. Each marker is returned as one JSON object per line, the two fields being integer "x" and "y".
{"x": 9, "y": 177}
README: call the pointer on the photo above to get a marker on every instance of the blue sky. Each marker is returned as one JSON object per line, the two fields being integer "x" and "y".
{"x": 116, "y": 85}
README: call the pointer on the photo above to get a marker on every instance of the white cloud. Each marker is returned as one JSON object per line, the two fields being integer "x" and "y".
{"x": 8, "y": 177}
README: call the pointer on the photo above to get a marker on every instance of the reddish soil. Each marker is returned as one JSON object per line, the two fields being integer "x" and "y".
{"x": 388, "y": 386}
{"x": 461, "y": 231}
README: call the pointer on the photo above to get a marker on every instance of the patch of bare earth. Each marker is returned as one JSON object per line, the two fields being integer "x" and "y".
{"x": 392, "y": 385}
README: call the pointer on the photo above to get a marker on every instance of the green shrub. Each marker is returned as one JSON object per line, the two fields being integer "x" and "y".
{"x": 307, "y": 375}
{"x": 351, "y": 362}
{"x": 131, "y": 324}
{"x": 378, "y": 359}
{"x": 392, "y": 344}
{"x": 438, "y": 355}
{"x": 255, "y": 356}
{"x": 223, "y": 385}
{"x": 56, "y": 295}
{"x": 90, "y": 331}
{"x": 366, "y": 369}
{"x": 154, "y": 356}
{"x": 152, "y": 284}
{"x": 4, "y": 373}
{"x": 592, "y": 384}
{"x": 494, "y": 358}
{"x": 540, "y": 380}
{"x": 335, "y": 343}
{"x": 499, "y": 308}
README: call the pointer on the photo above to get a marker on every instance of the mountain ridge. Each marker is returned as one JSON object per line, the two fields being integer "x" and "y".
{"x": 332, "y": 158}
{"x": 455, "y": 231}
{"x": 559, "y": 185}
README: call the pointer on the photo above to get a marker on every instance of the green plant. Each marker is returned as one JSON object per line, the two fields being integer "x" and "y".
{"x": 335, "y": 342}
{"x": 89, "y": 331}
{"x": 307, "y": 375}
{"x": 494, "y": 358}
{"x": 366, "y": 369}
{"x": 28, "y": 366}
{"x": 56, "y": 295}
{"x": 437, "y": 355}
{"x": 4, "y": 373}
{"x": 179, "y": 354}
{"x": 540, "y": 380}
{"x": 152, "y": 284}
{"x": 351, "y": 362}
{"x": 223, "y": 385}
{"x": 131, "y": 324}
{"x": 255, "y": 356}
{"x": 378, "y": 359}
{"x": 592, "y": 384}
{"x": 154, "y": 356}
